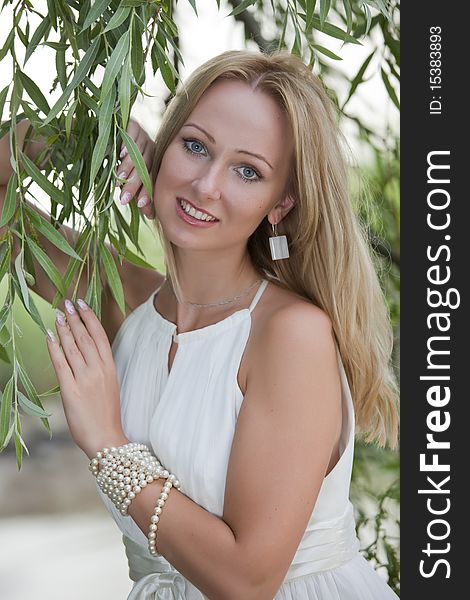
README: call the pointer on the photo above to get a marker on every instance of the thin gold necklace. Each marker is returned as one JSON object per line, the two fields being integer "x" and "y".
{"x": 226, "y": 300}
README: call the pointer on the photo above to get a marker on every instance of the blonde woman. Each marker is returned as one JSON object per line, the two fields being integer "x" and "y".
{"x": 246, "y": 368}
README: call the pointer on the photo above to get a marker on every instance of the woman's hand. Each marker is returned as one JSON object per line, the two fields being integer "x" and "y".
{"x": 88, "y": 382}
{"x": 132, "y": 188}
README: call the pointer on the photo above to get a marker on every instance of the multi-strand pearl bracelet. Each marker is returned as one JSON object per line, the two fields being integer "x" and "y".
{"x": 170, "y": 482}
{"x": 122, "y": 473}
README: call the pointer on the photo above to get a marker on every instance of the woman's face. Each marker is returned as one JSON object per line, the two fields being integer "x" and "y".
{"x": 211, "y": 167}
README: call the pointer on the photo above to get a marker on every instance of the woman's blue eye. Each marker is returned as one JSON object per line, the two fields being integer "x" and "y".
{"x": 245, "y": 173}
{"x": 191, "y": 146}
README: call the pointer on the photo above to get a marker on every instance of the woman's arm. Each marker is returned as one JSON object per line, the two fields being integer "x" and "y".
{"x": 288, "y": 424}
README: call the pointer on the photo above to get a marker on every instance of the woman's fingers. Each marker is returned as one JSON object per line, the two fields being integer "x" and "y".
{"x": 61, "y": 366}
{"x": 128, "y": 178}
{"x": 70, "y": 349}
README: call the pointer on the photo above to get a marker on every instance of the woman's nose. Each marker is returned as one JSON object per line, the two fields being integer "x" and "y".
{"x": 209, "y": 182}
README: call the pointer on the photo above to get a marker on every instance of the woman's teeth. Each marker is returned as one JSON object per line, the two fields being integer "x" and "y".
{"x": 195, "y": 213}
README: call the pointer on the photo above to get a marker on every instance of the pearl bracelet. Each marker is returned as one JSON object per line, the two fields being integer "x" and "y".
{"x": 123, "y": 472}
{"x": 155, "y": 518}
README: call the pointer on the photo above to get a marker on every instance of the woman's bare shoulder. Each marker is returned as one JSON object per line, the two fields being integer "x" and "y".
{"x": 283, "y": 307}
{"x": 283, "y": 319}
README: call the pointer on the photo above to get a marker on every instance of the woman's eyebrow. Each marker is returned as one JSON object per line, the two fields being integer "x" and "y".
{"x": 239, "y": 151}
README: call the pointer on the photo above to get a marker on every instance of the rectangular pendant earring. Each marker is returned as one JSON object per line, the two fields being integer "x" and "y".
{"x": 278, "y": 245}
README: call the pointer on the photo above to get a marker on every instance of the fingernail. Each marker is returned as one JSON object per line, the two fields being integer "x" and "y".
{"x": 51, "y": 335}
{"x": 123, "y": 152}
{"x": 82, "y": 304}
{"x": 142, "y": 201}
{"x": 69, "y": 307}
{"x": 60, "y": 317}
{"x": 126, "y": 197}
{"x": 122, "y": 175}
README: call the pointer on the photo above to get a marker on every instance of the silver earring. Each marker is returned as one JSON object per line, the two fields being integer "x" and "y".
{"x": 278, "y": 245}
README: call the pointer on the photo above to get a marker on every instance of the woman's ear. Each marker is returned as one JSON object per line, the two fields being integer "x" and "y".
{"x": 280, "y": 210}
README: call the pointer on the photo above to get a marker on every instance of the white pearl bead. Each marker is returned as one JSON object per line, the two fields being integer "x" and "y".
{"x": 152, "y": 535}
{"x": 158, "y": 510}
{"x": 154, "y": 519}
{"x": 153, "y": 527}
{"x": 165, "y": 473}
{"x": 164, "y": 496}
{"x": 137, "y": 489}
{"x": 131, "y": 495}
{"x": 160, "y": 502}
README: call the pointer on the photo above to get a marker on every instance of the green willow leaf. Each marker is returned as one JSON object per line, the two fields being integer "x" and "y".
{"x": 7, "y": 45}
{"x": 3, "y": 97}
{"x": 5, "y": 411}
{"x": 325, "y": 6}
{"x": 136, "y": 51}
{"x": 95, "y": 12}
{"x": 135, "y": 220}
{"x": 137, "y": 161}
{"x": 52, "y": 392}
{"x": 30, "y": 408}
{"x": 81, "y": 72}
{"x": 129, "y": 255}
{"x": 118, "y": 18}
{"x": 332, "y": 30}
{"x": 125, "y": 93}
{"x": 69, "y": 119}
{"x": 349, "y": 16}
{"x": 368, "y": 17}
{"x": 165, "y": 68}
{"x": 47, "y": 265}
{"x": 44, "y": 183}
{"x": 50, "y": 232}
{"x": 112, "y": 275}
{"x": 326, "y": 52}
{"x": 390, "y": 90}
{"x": 241, "y": 7}
{"x": 309, "y": 14}
{"x": 193, "y": 4}
{"x": 61, "y": 68}
{"x": 4, "y": 313}
{"x": 19, "y": 442}
{"x": 104, "y": 124}
{"x": 34, "y": 93}
{"x": 35, "y": 315}
{"x": 9, "y": 206}
{"x": 4, "y": 355}
{"x": 5, "y": 261}
{"x": 115, "y": 64}
{"x": 21, "y": 280}
{"x": 359, "y": 78}
{"x": 22, "y": 36}
{"x": 41, "y": 32}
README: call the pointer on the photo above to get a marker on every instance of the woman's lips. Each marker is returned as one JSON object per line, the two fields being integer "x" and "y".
{"x": 192, "y": 220}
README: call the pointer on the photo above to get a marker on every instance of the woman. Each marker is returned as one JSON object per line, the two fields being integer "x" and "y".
{"x": 238, "y": 369}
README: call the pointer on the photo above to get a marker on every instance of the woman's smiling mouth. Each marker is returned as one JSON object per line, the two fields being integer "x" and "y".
{"x": 191, "y": 215}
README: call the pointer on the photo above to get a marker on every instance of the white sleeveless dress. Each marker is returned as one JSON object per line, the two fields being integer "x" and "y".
{"x": 188, "y": 418}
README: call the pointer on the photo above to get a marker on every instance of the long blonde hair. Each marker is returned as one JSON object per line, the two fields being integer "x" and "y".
{"x": 330, "y": 260}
